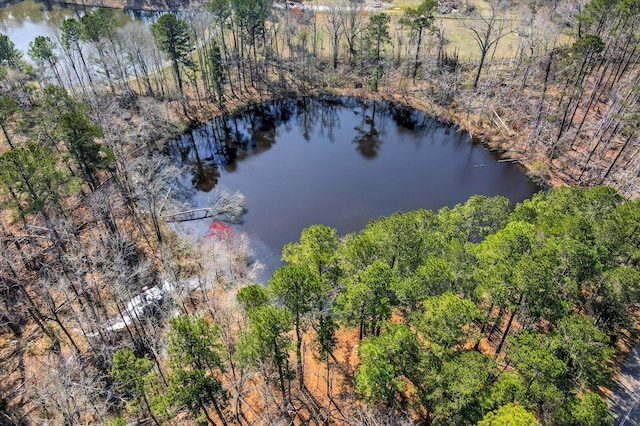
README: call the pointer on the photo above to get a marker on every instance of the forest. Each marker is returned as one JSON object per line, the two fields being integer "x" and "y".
{"x": 478, "y": 313}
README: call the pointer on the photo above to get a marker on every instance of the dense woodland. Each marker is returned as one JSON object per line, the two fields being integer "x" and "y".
{"x": 468, "y": 315}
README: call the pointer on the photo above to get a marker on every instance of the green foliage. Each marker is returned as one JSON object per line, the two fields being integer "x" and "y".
{"x": 620, "y": 235}
{"x": 32, "y": 174}
{"x": 8, "y": 108}
{"x": 172, "y": 37}
{"x": 510, "y": 244}
{"x": 71, "y": 31}
{"x": 377, "y": 32}
{"x": 446, "y": 319}
{"x": 221, "y": 9}
{"x": 460, "y": 386}
{"x": 217, "y": 72}
{"x": 41, "y": 50}
{"x": 252, "y": 297}
{"x": 116, "y": 421}
{"x": 595, "y": 11}
{"x": 376, "y": 35}
{"x": 367, "y": 299}
{"x": 530, "y": 271}
{"x": 508, "y": 415}
{"x": 9, "y": 55}
{"x": 194, "y": 389}
{"x": 432, "y": 278}
{"x": 129, "y": 371}
{"x": 585, "y": 351}
{"x": 266, "y": 341}
{"x": 326, "y": 339}
{"x": 251, "y": 16}
{"x": 195, "y": 356}
{"x": 136, "y": 379}
{"x": 317, "y": 248}
{"x": 359, "y": 250}
{"x": 548, "y": 208}
{"x": 587, "y": 45}
{"x": 388, "y": 361}
{"x": 533, "y": 355}
{"x": 402, "y": 238}
{"x": 421, "y": 16}
{"x": 419, "y": 19}
{"x": 560, "y": 272}
{"x": 544, "y": 294}
{"x": 98, "y": 24}
{"x": 508, "y": 389}
{"x": 80, "y": 134}
{"x": 588, "y": 410}
{"x": 478, "y": 217}
{"x": 613, "y": 293}
{"x": 266, "y": 335}
{"x": 195, "y": 343}
{"x": 54, "y": 101}
{"x": 298, "y": 288}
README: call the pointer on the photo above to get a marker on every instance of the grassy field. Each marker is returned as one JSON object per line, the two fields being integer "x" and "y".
{"x": 456, "y": 29}
{"x": 455, "y": 26}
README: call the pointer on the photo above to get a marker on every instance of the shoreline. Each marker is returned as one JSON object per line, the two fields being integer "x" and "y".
{"x": 509, "y": 144}
{"x": 412, "y": 100}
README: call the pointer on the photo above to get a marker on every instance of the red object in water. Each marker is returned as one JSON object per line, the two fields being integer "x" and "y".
{"x": 218, "y": 230}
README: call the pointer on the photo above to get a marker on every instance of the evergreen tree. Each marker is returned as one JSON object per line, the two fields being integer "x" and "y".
{"x": 419, "y": 19}
{"x": 300, "y": 291}
{"x": 172, "y": 37}
{"x": 376, "y": 35}
{"x": 195, "y": 357}
{"x": 218, "y": 75}
{"x": 9, "y": 55}
{"x": 266, "y": 342}
{"x": 79, "y": 134}
{"x": 42, "y": 50}
{"x": 135, "y": 378}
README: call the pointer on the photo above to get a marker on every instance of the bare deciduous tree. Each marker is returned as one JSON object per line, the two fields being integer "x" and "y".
{"x": 69, "y": 391}
{"x": 153, "y": 177}
{"x": 488, "y": 29}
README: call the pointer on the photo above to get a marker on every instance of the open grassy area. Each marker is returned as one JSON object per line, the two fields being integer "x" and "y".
{"x": 462, "y": 38}
{"x": 456, "y": 27}
{"x": 457, "y": 30}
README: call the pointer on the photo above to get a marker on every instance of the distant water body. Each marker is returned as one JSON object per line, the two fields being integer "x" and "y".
{"x": 24, "y": 20}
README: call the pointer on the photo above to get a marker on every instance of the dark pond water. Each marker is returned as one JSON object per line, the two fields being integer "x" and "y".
{"x": 337, "y": 162}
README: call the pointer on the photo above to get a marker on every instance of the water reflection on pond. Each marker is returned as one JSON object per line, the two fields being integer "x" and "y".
{"x": 338, "y": 162}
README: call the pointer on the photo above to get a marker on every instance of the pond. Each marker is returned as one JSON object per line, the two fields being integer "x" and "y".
{"x": 337, "y": 162}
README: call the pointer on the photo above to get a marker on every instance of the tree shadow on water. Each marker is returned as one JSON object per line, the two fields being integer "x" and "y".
{"x": 368, "y": 140}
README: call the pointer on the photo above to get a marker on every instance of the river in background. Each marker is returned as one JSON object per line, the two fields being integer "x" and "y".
{"x": 337, "y": 162}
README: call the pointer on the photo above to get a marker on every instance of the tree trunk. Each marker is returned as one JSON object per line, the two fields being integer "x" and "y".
{"x": 299, "y": 366}
{"x": 509, "y": 323}
{"x": 415, "y": 62}
{"x": 483, "y": 55}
